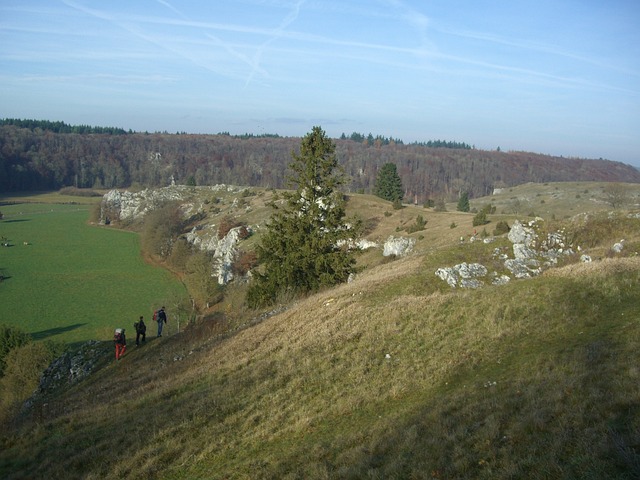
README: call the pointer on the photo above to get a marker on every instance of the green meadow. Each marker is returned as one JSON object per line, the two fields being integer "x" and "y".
{"x": 69, "y": 281}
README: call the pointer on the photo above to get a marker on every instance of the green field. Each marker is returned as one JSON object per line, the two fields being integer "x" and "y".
{"x": 71, "y": 281}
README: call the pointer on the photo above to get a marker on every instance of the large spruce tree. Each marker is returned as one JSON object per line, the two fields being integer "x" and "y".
{"x": 389, "y": 184}
{"x": 306, "y": 245}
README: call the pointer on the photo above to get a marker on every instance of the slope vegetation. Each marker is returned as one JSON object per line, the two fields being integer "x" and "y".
{"x": 394, "y": 375}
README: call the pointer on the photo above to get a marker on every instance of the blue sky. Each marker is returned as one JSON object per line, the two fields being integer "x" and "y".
{"x": 560, "y": 77}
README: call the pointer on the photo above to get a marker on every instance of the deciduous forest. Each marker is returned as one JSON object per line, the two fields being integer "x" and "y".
{"x": 51, "y": 155}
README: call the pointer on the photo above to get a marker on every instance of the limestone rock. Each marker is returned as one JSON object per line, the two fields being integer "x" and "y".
{"x": 398, "y": 246}
{"x": 465, "y": 275}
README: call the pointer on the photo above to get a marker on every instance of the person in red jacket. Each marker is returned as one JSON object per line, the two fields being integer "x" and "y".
{"x": 120, "y": 340}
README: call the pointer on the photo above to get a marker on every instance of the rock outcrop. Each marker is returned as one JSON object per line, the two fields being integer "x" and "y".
{"x": 129, "y": 206}
{"x": 532, "y": 252}
{"x": 70, "y": 368}
{"x": 398, "y": 246}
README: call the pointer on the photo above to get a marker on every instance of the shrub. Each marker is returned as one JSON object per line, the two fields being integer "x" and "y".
{"x": 369, "y": 225}
{"x": 161, "y": 227}
{"x": 24, "y": 365}
{"x": 480, "y": 219}
{"x": 180, "y": 253}
{"x": 10, "y": 338}
{"x": 244, "y": 262}
{"x": 440, "y": 205}
{"x": 227, "y": 223}
{"x": 501, "y": 228}
{"x": 203, "y": 288}
{"x": 419, "y": 225}
{"x": 244, "y": 232}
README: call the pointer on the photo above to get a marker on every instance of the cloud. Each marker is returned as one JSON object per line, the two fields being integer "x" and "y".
{"x": 277, "y": 33}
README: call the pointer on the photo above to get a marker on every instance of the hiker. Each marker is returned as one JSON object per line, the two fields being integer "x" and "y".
{"x": 161, "y": 318}
{"x": 121, "y": 342}
{"x": 141, "y": 330}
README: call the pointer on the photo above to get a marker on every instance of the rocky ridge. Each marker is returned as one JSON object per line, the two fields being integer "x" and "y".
{"x": 126, "y": 206}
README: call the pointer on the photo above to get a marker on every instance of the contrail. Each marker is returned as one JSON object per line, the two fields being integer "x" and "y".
{"x": 289, "y": 19}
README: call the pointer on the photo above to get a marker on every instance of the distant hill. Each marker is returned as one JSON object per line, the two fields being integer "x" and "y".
{"x": 33, "y": 158}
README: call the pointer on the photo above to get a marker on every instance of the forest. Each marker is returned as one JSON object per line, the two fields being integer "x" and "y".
{"x": 42, "y": 155}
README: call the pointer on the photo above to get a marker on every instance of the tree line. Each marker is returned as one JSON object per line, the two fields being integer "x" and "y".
{"x": 43, "y": 159}
{"x": 380, "y": 140}
{"x": 61, "y": 127}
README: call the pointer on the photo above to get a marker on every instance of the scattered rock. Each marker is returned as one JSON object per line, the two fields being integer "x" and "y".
{"x": 530, "y": 255}
{"x": 464, "y": 275}
{"x": 618, "y": 246}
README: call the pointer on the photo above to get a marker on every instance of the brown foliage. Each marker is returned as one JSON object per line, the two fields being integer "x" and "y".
{"x": 49, "y": 161}
{"x": 244, "y": 262}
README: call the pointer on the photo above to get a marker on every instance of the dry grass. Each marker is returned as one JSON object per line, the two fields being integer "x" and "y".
{"x": 604, "y": 268}
{"x": 390, "y": 376}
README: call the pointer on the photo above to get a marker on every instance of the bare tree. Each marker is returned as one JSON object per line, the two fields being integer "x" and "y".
{"x": 615, "y": 194}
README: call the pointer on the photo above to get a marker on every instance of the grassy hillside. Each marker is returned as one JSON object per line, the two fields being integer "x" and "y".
{"x": 394, "y": 375}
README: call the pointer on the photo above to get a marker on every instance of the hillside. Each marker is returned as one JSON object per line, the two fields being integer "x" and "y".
{"x": 36, "y": 159}
{"x": 394, "y": 375}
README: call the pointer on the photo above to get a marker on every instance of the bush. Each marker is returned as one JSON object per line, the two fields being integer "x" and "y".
{"x": 440, "y": 206}
{"x": 24, "y": 365}
{"x": 203, "y": 288}
{"x": 10, "y": 338}
{"x": 501, "y": 228}
{"x": 369, "y": 225}
{"x": 227, "y": 223}
{"x": 419, "y": 225}
{"x": 180, "y": 253}
{"x": 480, "y": 219}
{"x": 244, "y": 262}
{"x": 161, "y": 228}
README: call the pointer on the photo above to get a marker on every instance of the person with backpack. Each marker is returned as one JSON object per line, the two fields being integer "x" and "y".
{"x": 120, "y": 341}
{"x": 161, "y": 317}
{"x": 141, "y": 331}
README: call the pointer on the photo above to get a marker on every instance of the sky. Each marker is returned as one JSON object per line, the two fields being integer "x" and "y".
{"x": 558, "y": 77}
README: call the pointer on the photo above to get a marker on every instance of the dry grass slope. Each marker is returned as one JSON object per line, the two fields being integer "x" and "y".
{"x": 391, "y": 376}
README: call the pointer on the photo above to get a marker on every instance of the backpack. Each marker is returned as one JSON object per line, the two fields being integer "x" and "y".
{"x": 118, "y": 336}
{"x": 135, "y": 326}
{"x": 155, "y": 316}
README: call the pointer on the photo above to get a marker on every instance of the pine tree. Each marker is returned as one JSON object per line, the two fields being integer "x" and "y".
{"x": 389, "y": 184}
{"x": 463, "y": 202}
{"x": 306, "y": 243}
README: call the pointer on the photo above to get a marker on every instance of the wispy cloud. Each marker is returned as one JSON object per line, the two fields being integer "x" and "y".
{"x": 534, "y": 47}
{"x": 88, "y": 79}
{"x": 132, "y": 26}
{"x": 277, "y": 33}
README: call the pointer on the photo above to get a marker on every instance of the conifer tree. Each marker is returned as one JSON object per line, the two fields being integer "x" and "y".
{"x": 389, "y": 184}
{"x": 463, "y": 202}
{"x": 306, "y": 243}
